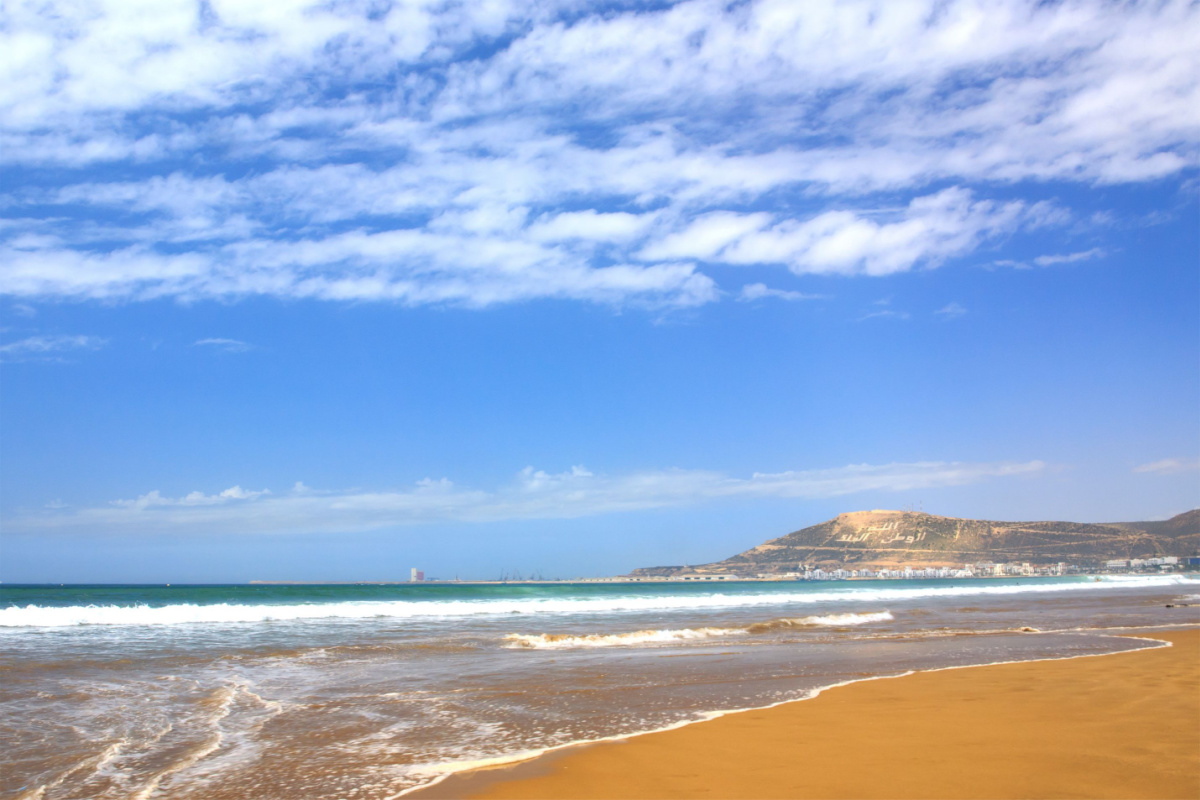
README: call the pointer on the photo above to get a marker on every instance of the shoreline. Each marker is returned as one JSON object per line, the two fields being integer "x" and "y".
{"x": 586, "y": 768}
{"x": 621, "y": 579}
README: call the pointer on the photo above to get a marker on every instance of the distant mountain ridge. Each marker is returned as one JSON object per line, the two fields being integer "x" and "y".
{"x": 892, "y": 538}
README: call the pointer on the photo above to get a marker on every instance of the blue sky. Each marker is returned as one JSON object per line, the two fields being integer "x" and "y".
{"x": 326, "y": 291}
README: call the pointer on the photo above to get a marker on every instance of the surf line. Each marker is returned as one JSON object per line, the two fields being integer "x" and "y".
{"x": 444, "y": 771}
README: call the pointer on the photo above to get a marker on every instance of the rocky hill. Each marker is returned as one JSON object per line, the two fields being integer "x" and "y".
{"x": 893, "y": 538}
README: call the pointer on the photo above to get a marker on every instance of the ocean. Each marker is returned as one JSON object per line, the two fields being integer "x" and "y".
{"x": 368, "y": 691}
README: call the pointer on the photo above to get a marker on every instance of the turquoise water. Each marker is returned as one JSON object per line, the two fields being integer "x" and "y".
{"x": 20, "y": 604}
{"x": 266, "y": 594}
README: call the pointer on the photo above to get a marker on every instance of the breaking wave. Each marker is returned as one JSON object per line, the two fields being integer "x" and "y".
{"x": 562, "y": 641}
{"x": 639, "y": 599}
{"x": 825, "y": 620}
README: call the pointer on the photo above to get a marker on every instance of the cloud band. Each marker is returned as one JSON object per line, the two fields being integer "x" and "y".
{"x": 534, "y": 495}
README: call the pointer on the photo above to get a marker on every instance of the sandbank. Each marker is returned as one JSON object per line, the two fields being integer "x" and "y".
{"x": 1125, "y": 725}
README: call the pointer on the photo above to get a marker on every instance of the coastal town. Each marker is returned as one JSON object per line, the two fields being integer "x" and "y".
{"x": 981, "y": 569}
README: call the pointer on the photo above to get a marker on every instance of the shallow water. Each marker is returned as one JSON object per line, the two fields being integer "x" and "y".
{"x": 369, "y": 691}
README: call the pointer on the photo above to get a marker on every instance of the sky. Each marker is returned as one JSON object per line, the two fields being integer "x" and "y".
{"x": 326, "y": 291}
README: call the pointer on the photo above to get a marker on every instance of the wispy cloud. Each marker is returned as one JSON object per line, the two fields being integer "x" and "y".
{"x": 410, "y": 267}
{"x": 951, "y": 311}
{"x": 43, "y": 347}
{"x": 929, "y": 230}
{"x": 1053, "y": 260}
{"x": 758, "y": 291}
{"x": 228, "y": 345}
{"x": 1169, "y": 466}
{"x": 534, "y": 495}
{"x": 493, "y": 255}
{"x": 1069, "y": 258}
{"x": 886, "y": 313}
{"x": 446, "y": 153}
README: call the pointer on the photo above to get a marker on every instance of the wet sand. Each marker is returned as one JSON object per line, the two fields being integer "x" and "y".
{"x": 1116, "y": 726}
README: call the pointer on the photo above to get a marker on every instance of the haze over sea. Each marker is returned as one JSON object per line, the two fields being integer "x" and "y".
{"x": 371, "y": 691}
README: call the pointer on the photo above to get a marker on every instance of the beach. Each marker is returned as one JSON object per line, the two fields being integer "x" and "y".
{"x": 223, "y": 692}
{"x": 1121, "y": 725}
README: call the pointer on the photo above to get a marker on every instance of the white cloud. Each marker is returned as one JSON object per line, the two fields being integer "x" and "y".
{"x": 951, "y": 310}
{"x": 192, "y": 499}
{"x": 1169, "y": 466}
{"x": 757, "y": 291}
{"x": 482, "y": 254}
{"x": 412, "y": 267}
{"x": 228, "y": 345}
{"x": 499, "y": 152}
{"x": 534, "y": 495}
{"x": 931, "y": 229}
{"x": 1069, "y": 258}
{"x": 1053, "y": 259}
{"x": 706, "y": 236}
{"x": 614, "y": 227}
{"x": 1035, "y": 81}
{"x": 886, "y": 313}
{"x": 41, "y": 347}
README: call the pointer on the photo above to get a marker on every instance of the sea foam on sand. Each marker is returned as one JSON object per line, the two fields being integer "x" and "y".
{"x": 555, "y": 641}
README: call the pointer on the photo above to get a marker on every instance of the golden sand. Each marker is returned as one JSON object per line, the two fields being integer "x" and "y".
{"x": 1119, "y": 726}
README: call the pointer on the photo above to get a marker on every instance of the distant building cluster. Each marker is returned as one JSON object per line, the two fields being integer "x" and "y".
{"x": 808, "y": 572}
{"x": 1145, "y": 564}
{"x": 983, "y": 569}
{"x": 818, "y": 574}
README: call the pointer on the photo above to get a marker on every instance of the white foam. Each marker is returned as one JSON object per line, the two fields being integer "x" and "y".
{"x": 217, "y": 613}
{"x": 224, "y": 697}
{"x": 553, "y": 641}
{"x": 847, "y": 619}
{"x": 436, "y": 773}
{"x": 559, "y": 641}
